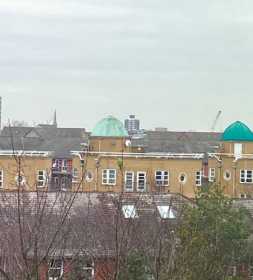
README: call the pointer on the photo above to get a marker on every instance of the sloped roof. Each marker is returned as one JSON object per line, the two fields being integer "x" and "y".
{"x": 93, "y": 215}
{"x": 178, "y": 142}
{"x": 43, "y": 138}
{"x": 237, "y": 131}
{"x": 109, "y": 127}
{"x": 63, "y": 140}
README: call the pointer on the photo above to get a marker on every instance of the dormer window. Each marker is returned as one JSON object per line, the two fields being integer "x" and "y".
{"x": 166, "y": 212}
{"x": 129, "y": 211}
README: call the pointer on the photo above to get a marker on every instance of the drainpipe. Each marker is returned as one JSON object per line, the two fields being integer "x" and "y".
{"x": 97, "y": 167}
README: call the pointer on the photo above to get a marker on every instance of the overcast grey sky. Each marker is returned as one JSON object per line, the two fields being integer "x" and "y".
{"x": 172, "y": 63}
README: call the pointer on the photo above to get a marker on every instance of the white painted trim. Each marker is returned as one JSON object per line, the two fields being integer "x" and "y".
{"x": 243, "y": 156}
{"x": 144, "y": 155}
{"x": 25, "y": 153}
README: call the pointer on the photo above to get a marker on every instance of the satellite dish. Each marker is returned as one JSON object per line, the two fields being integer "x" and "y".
{"x": 128, "y": 143}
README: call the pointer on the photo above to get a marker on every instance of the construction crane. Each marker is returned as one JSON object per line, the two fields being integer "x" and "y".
{"x": 216, "y": 120}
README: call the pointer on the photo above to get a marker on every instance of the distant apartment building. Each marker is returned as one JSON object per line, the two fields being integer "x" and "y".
{"x": 132, "y": 125}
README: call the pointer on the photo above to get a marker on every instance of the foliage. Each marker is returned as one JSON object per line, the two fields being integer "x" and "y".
{"x": 136, "y": 267}
{"x": 212, "y": 237}
{"x": 81, "y": 269}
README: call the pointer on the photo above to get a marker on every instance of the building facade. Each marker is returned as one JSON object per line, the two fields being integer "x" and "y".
{"x": 109, "y": 160}
{"x": 232, "y": 165}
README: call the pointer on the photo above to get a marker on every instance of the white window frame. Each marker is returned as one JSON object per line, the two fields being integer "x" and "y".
{"x": 164, "y": 178}
{"x": 198, "y": 178}
{"x": 244, "y": 178}
{"x": 106, "y": 179}
{"x": 144, "y": 179}
{"x": 211, "y": 174}
{"x": 1, "y": 179}
{"x": 129, "y": 180}
{"x": 52, "y": 267}
{"x": 41, "y": 180}
{"x": 238, "y": 150}
{"x": 75, "y": 175}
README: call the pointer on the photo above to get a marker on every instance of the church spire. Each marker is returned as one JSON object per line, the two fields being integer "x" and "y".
{"x": 55, "y": 119}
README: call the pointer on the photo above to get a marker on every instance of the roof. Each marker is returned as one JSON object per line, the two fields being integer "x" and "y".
{"x": 94, "y": 215}
{"x": 43, "y": 138}
{"x": 237, "y": 131}
{"x": 63, "y": 140}
{"x": 177, "y": 142}
{"x": 109, "y": 127}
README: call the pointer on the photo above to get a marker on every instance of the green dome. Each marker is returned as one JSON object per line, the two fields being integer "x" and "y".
{"x": 237, "y": 131}
{"x": 109, "y": 127}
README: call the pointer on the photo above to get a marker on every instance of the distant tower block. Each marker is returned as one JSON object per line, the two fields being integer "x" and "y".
{"x": 132, "y": 125}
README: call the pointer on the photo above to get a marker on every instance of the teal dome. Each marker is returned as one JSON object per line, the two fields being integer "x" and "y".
{"x": 237, "y": 131}
{"x": 109, "y": 127}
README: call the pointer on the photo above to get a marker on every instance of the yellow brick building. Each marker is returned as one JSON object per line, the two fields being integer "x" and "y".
{"x": 232, "y": 165}
{"x": 108, "y": 160}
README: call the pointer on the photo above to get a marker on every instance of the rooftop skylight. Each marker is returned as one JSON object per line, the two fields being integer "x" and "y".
{"x": 166, "y": 212}
{"x": 129, "y": 211}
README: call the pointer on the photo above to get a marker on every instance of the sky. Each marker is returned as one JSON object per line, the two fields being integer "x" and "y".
{"x": 171, "y": 63}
